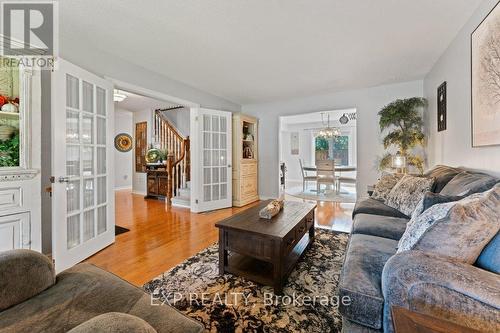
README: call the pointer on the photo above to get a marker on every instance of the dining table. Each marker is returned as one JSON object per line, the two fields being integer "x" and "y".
{"x": 339, "y": 168}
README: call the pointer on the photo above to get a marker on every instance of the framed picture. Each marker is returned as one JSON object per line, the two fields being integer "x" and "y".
{"x": 485, "y": 81}
{"x": 441, "y": 103}
{"x": 294, "y": 143}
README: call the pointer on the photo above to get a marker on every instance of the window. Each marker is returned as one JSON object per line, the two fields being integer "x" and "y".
{"x": 336, "y": 149}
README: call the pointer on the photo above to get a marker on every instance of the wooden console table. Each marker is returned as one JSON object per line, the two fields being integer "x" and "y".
{"x": 265, "y": 251}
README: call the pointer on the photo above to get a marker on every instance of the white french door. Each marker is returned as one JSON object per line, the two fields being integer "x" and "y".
{"x": 211, "y": 160}
{"x": 82, "y": 164}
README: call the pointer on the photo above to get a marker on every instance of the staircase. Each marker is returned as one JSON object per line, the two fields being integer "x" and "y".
{"x": 183, "y": 197}
{"x": 178, "y": 164}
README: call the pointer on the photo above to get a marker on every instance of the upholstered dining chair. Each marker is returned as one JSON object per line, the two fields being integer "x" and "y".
{"x": 325, "y": 174}
{"x": 305, "y": 177}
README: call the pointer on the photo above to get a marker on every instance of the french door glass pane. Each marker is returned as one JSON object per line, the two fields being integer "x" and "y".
{"x": 101, "y": 131}
{"x": 215, "y": 192}
{"x": 215, "y": 175}
{"x": 206, "y": 122}
{"x": 101, "y": 220}
{"x": 206, "y": 140}
{"x": 223, "y": 124}
{"x": 88, "y": 161}
{"x": 215, "y": 123}
{"x": 206, "y": 176}
{"x": 101, "y": 190}
{"x": 223, "y": 143}
{"x": 73, "y": 161}
{"x": 88, "y": 129}
{"x": 101, "y": 101}
{"x": 72, "y": 127}
{"x": 206, "y": 157}
{"x": 101, "y": 160}
{"x": 223, "y": 158}
{"x": 72, "y": 92}
{"x": 73, "y": 231}
{"x": 207, "y": 193}
{"x": 223, "y": 191}
{"x": 215, "y": 140}
{"x": 88, "y": 196}
{"x": 73, "y": 196}
{"x": 223, "y": 175}
{"x": 88, "y": 225}
{"x": 88, "y": 97}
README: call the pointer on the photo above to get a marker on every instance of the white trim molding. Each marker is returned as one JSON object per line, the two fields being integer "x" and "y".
{"x": 18, "y": 174}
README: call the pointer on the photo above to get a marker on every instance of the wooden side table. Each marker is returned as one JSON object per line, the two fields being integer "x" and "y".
{"x": 406, "y": 321}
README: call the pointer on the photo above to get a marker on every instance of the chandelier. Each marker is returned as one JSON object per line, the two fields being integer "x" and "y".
{"x": 328, "y": 132}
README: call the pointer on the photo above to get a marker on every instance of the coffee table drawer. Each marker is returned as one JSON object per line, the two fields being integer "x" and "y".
{"x": 249, "y": 245}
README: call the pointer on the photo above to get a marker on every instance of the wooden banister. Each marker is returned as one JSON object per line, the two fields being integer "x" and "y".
{"x": 178, "y": 153}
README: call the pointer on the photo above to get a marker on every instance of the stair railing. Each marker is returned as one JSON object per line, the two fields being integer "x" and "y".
{"x": 178, "y": 153}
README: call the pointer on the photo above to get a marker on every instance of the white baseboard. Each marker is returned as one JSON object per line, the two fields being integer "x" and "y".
{"x": 123, "y": 188}
{"x": 139, "y": 193}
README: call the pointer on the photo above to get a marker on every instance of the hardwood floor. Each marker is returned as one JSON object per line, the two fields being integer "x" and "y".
{"x": 161, "y": 237}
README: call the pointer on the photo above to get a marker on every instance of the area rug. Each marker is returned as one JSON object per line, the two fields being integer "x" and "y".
{"x": 233, "y": 304}
{"x": 346, "y": 195}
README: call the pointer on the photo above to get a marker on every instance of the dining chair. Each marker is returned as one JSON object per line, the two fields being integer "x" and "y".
{"x": 325, "y": 174}
{"x": 305, "y": 177}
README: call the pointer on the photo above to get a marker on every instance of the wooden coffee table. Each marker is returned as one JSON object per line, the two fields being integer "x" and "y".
{"x": 265, "y": 251}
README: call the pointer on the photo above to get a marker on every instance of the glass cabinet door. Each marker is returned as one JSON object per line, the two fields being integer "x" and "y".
{"x": 10, "y": 116}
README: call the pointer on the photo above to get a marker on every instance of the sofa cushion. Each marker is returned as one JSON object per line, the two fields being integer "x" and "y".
{"x": 467, "y": 183}
{"x": 83, "y": 292}
{"x": 361, "y": 278}
{"x": 381, "y": 226}
{"x": 489, "y": 259}
{"x": 23, "y": 274}
{"x": 457, "y": 230}
{"x": 385, "y": 185}
{"x": 114, "y": 322}
{"x": 375, "y": 207}
{"x": 442, "y": 174}
{"x": 407, "y": 193}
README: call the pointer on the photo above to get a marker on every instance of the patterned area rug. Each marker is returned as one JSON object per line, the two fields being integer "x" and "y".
{"x": 233, "y": 304}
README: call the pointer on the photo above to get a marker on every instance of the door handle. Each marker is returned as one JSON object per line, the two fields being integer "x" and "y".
{"x": 63, "y": 179}
{"x": 229, "y": 165}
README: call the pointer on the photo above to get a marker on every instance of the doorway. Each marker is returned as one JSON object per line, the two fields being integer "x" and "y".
{"x": 319, "y": 150}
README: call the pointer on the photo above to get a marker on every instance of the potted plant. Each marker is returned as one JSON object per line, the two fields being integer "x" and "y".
{"x": 402, "y": 121}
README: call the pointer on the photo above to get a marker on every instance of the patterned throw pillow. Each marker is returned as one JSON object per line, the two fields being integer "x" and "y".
{"x": 458, "y": 230}
{"x": 407, "y": 193}
{"x": 385, "y": 184}
{"x": 430, "y": 199}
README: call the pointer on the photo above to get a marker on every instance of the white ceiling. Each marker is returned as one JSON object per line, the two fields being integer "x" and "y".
{"x": 265, "y": 50}
{"x": 135, "y": 102}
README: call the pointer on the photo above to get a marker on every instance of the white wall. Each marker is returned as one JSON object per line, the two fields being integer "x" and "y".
{"x": 180, "y": 119}
{"x": 453, "y": 146}
{"x": 307, "y": 132}
{"x": 367, "y": 102}
{"x": 124, "y": 161}
{"x": 139, "y": 178}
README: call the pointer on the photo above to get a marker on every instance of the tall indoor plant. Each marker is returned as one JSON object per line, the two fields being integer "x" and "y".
{"x": 402, "y": 121}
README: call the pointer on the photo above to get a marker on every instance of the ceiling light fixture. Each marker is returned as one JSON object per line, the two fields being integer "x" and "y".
{"x": 119, "y": 96}
{"x": 328, "y": 132}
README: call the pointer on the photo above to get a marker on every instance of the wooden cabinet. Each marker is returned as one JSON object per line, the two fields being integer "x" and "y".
{"x": 157, "y": 182}
{"x": 245, "y": 163}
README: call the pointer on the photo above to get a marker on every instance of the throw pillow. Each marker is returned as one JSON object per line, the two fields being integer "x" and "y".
{"x": 430, "y": 199}
{"x": 407, "y": 193}
{"x": 467, "y": 183}
{"x": 458, "y": 230}
{"x": 385, "y": 185}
